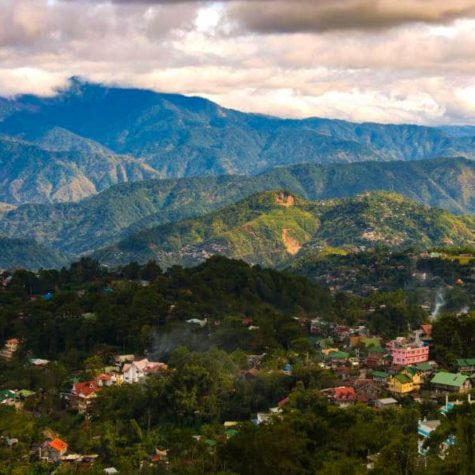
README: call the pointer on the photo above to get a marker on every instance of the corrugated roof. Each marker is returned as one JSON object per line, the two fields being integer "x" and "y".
{"x": 466, "y": 362}
{"x": 449, "y": 379}
{"x": 58, "y": 445}
{"x": 403, "y": 379}
{"x": 338, "y": 355}
{"x": 380, "y": 374}
{"x": 424, "y": 366}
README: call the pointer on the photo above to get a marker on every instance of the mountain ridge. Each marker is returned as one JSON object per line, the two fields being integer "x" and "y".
{"x": 270, "y": 228}
{"x": 180, "y": 136}
{"x": 129, "y": 207}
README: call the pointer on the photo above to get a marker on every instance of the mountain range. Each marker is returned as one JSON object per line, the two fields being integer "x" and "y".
{"x": 271, "y": 228}
{"x": 100, "y": 220}
{"x": 88, "y": 136}
{"x": 133, "y": 174}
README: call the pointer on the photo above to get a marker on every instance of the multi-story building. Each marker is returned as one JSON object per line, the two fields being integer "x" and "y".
{"x": 406, "y": 353}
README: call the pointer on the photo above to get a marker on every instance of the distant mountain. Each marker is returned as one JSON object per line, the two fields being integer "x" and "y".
{"x": 98, "y": 221}
{"x": 271, "y": 228}
{"x": 27, "y": 254}
{"x": 70, "y": 170}
{"x": 179, "y": 136}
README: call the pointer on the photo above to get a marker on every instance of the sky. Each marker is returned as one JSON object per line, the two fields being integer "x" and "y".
{"x": 391, "y": 61}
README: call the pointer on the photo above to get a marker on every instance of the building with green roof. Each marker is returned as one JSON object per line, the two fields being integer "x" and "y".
{"x": 466, "y": 365}
{"x": 380, "y": 376}
{"x": 451, "y": 382}
{"x": 338, "y": 356}
{"x": 6, "y": 394}
{"x": 425, "y": 367}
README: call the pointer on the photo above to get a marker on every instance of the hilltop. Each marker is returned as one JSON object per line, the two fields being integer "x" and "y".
{"x": 128, "y": 208}
{"x": 272, "y": 228}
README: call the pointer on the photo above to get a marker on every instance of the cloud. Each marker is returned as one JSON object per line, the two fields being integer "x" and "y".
{"x": 327, "y": 15}
{"x": 417, "y": 72}
{"x": 291, "y": 16}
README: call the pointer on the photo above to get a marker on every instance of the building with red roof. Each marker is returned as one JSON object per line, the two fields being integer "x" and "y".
{"x": 52, "y": 450}
{"x": 343, "y": 396}
{"x": 83, "y": 394}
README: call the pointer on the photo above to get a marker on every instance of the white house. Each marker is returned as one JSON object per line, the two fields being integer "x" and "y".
{"x": 137, "y": 370}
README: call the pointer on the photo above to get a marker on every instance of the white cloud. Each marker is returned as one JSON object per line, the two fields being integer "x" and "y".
{"x": 420, "y": 73}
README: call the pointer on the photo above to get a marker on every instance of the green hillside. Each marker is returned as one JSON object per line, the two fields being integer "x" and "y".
{"x": 62, "y": 167}
{"x": 170, "y": 135}
{"x": 27, "y": 254}
{"x": 131, "y": 207}
{"x": 272, "y": 228}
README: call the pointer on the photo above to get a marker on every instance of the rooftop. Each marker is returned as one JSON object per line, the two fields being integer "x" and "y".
{"x": 449, "y": 379}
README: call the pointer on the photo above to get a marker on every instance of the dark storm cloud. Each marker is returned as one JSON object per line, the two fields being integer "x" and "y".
{"x": 319, "y": 16}
{"x": 293, "y": 16}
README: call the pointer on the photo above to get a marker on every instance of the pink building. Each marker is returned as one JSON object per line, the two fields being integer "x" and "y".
{"x": 405, "y": 354}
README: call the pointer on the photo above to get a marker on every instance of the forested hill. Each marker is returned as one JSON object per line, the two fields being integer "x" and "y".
{"x": 169, "y": 135}
{"x": 27, "y": 254}
{"x": 271, "y": 228}
{"x": 68, "y": 170}
{"x": 123, "y": 209}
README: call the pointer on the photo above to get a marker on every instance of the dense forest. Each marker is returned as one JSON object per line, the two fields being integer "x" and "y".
{"x": 236, "y": 344}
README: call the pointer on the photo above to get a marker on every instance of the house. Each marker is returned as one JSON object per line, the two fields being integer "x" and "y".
{"x": 466, "y": 365}
{"x": 9, "y": 442}
{"x": 367, "y": 390}
{"x": 342, "y": 396}
{"x": 385, "y": 402}
{"x": 380, "y": 377}
{"x": 122, "y": 359}
{"x": 108, "y": 379}
{"x": 450, "y": 382}
{"x": 405, "y": 382}
{"x": 137, "y": 370}
{"x": 336, "y": 358}
{"x": 9, "y": 348}
{"x": 345, "y": 373}
{"x": 83, "y": 395}
{"x": 265, "y": 417}
{"x": 406, "y": 353}
{"x": 424, "y": 430}
{"x": 426, "y": 333}
{"x": 7, "y": 396}
{"x": 39, "y": 362}
{"x": 319, "y": 326}
{"x": 427, "y": 368}
{"x": 51, "y": 451}
{"x": 376, "y": 357}
{"x": 342, "y": 332}
{"x": 24, "y": 394}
